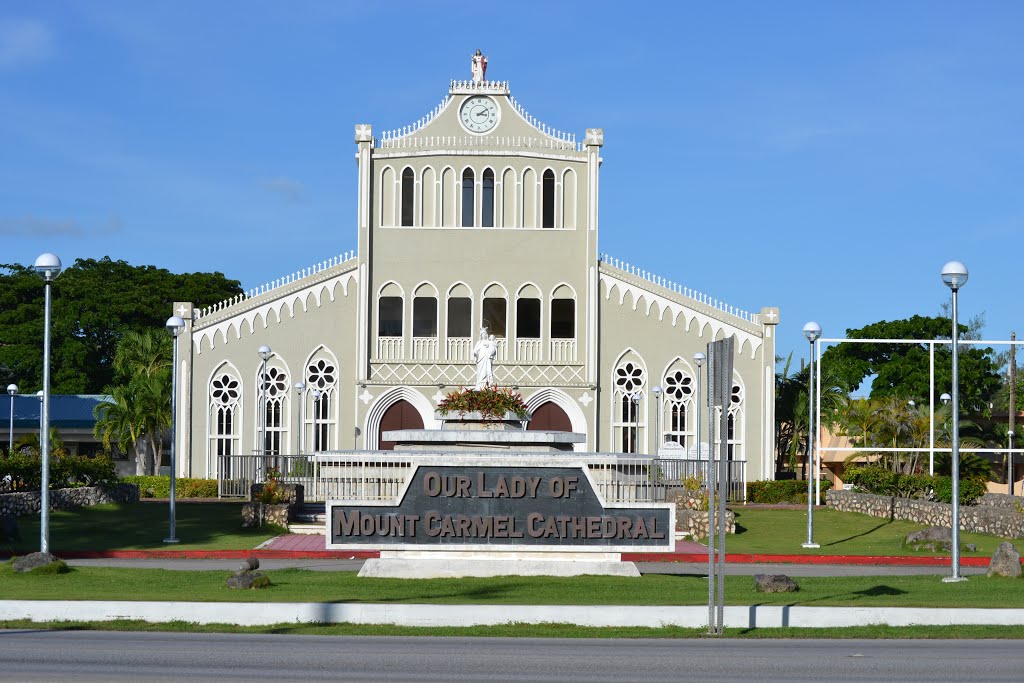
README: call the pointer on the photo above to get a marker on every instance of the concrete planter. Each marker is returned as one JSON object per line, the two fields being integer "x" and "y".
{"x": 475, "y": 421}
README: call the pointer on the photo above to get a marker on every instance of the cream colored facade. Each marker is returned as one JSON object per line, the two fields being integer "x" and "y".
{"x": 459, "y": 227}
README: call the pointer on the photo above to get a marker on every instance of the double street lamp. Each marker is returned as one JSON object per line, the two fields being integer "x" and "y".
{"x": 48, "y": 267}
{"x": 175, "y": 324}
{"x": 698, "y": 360}
{"x": 657, "y": 419}
{"x": 812, "y": 332}
{"x": 264, "y": 353}
{"x": 954, "y": 274}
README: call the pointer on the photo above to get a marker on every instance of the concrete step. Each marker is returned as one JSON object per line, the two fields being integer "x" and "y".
{"x": 308, "y": 528}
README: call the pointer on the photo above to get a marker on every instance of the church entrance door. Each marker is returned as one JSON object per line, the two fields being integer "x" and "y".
{"x": 401, "y": 415}
{"x": 550, "y": 417}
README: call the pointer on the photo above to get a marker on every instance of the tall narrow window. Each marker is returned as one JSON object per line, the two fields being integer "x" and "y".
{"x": 389, "y": 314}
{"x": 678, "y": 396}
{"x": 629, "y": 379}
{"x": 408, "y": 188}
{"x": 460, "y": 317}
{"x": 548, "y": 199}
{"x": 321, "y": 382}
{"x": 494, "y": 316}
{"x": 528, "y": 318}
{"x": 272, "y": 421}
{"x": 424, "y": 316}
{"x": 467, "y": 198}
{"x": 487, "y": 201}
{"x": 563, "y": 319}
{"x": 225, "y": 394}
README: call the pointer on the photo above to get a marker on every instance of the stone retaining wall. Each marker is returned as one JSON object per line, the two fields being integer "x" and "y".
{"x": 997, "y": 520}
{"x": 28, "y": 502}
{"x": 693, "y": 521}
{"x": 1002, "y": 500}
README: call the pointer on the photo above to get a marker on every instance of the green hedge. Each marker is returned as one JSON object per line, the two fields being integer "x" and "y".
{"x": 66, "y": 471}
{"x": 160, "y": 487}
{"x": 885, "y": 482}
{"x": 783, "y": 491}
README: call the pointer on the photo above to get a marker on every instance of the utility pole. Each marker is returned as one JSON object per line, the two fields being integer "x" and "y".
{"x": 1012, "y": 411}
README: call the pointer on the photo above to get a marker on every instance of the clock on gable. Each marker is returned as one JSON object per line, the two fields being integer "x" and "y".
{"x": 479, "y": 114}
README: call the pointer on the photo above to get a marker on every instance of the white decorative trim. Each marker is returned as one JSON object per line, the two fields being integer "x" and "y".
{"x": 291, "y": 299}
{"x": 677, "y": 310}
{"x": 478, "y": 88}
{"x": 389, "y": 136}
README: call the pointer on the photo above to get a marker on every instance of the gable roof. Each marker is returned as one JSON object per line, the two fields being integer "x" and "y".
{"x": 67, "y": 411}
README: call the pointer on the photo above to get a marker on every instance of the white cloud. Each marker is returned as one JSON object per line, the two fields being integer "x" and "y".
{"x": 24, "y": 42}
{"x": 292, "y": 190}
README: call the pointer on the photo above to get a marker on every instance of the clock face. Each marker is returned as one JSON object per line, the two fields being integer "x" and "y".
{"x": 479, "y": 114}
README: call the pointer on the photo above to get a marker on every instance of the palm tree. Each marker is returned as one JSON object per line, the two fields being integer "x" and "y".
{"x": 122, "y": 420}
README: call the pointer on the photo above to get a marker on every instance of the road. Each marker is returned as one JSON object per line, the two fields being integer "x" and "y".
{"x": 115, "y": 656}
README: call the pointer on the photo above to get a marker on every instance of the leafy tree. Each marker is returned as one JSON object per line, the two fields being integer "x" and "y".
{"x": 123, "y": 421}
{"x": 94, "y": 303}
{"x": 792, "y": 410}
{"x": 901, "y": 370}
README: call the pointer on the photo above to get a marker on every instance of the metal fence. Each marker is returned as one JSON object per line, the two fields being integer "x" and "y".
{"x": 381, "y": 475}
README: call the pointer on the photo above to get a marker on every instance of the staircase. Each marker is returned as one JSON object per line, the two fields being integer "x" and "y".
{"x": 310, "y": 519}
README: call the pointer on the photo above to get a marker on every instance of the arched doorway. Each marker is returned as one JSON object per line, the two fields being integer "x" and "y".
{"x": 549, "y": 416}
{"x": 399, "y": 415}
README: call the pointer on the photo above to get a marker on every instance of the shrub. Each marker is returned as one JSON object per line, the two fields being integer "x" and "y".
{"x": 782, "y": 491}
{"x": 885, "y": 482}
{"x": 491, "y": 402}
{"x": 66, "y": 471}
{"x": 270, "y": 493}
{"x": 971, "y": 489}
{"x": 160, "y": 487}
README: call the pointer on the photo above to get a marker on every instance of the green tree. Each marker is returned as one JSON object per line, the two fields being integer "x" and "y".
{"x": 902, "y": 370}
{"x": 123, "y": 421}
{"x": 792, "y": 409}
{"x": 94, "y": 303}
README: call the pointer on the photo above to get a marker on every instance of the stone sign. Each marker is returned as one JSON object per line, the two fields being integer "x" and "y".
{"x": 501, "y": 508}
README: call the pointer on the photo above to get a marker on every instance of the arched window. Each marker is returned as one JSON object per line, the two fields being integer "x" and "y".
{"x": 548, "y": 199}
{"x": 495, "y": 312}
{"x": 460, "y": 317}
{"x": 389, "y": 316}
{"x": 408, "y": 191}
{"x": 273, "y": 411}
{"x": 468, "y": 191}
{"x": 734, "y": 438}
{"x": 225, "y": 395}
{"x": 487, "y": 200}
{"x": 678, "y": 398}
{"x": 563, "y": 314}
{"x": 321, "y": 384}
{"x": 628, "y": 379}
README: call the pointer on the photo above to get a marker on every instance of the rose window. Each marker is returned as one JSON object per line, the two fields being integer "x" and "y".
{"x": 737, "y": 395}
{"x": 678, "y": 386}
{"x": 629, "y": 377}
{"x": 276, "y": 382}
{"x": 321, "y": 375}
{"x": 224, "y": 390}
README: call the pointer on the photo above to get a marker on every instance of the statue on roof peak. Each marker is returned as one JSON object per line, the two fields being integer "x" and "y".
{"x": 478, "y": 67}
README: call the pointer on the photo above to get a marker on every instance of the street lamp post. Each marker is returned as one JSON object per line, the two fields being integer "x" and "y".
{"x": 636, "y": 418}
{"x": 39, "y": 395}
{"x": 316, "y": 414}
{"x": 264, "y": 353}
{"x": 299, "y": 388}
{"x": 48, "y": 267}
{"x": 175, "y": 325}
{"x": 657, "y": 419}
{"x": 954, "y": 274}
{"x": 698, "y": 360}
{"x": 812, "y": 332}
{"x": 12, "y": 391}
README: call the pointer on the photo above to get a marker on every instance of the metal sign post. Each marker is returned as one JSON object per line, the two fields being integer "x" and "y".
{"x": 720, "y": 362}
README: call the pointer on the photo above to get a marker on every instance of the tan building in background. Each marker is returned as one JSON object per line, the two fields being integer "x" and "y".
{"x": 474, "y": 216}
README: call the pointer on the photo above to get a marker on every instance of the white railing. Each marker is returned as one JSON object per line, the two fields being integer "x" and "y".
{"x": 274, "y": 284}
{"x": 237, "y": 473}
{"x": 389, "y": 136}
{"x": 390, "y": 348}
{"x": 460, "y": 349}
{"x": 424, "y": 348}
{"x": 699, "y": 297}
{"x": 528, "y": 351}
{"x": 500, "y": 142}
{"x": 563, "y": 350}
{"x": 482, "y": 87}
{"x": 567, "y": 138}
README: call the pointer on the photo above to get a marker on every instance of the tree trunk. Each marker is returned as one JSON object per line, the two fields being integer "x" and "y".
{"x": 158, "y": 453}
{"x": 139, "y": 448}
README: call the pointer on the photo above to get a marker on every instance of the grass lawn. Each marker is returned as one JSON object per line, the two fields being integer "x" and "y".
{"x": 297, "y": 585}
{"x": 838, "y": 533}
{"x": 142, "y": 526}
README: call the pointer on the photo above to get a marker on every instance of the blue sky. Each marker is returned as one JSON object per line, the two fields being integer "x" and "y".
{"x": 824, "y": 157}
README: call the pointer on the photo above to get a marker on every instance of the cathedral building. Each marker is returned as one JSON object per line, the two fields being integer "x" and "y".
{"x": 475, "y": 218}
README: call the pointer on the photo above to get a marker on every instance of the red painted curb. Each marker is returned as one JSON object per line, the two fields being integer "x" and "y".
{"x": 213, "y": 554}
